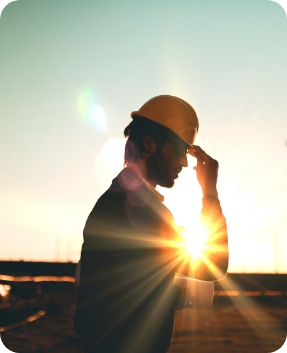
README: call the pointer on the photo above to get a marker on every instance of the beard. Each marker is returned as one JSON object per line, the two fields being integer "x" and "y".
{"x": 158, "y": 169}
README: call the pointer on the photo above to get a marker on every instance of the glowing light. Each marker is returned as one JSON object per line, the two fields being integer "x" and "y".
{"x": 110, "y": 160}
{"x": 34, "y": 279}
{"x": 4, "y": 289}
{"x": 196, "y": 241}
{"x": 31, "y": 318}
{"x": 91, "y": 112}
{"x": 99, "y": 117}
{"x": 85, "y": 100}
{"x": 112, "y": 153}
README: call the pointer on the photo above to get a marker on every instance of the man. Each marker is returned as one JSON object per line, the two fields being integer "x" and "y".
{"x": 132, "y": 247}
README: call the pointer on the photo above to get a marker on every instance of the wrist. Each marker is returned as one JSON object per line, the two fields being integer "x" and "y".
{"x": 212, "y": 192}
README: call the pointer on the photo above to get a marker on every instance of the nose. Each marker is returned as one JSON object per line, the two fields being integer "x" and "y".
{"x": 183, "y": 161}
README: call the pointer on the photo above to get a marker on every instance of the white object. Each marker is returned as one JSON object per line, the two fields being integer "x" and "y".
{"x": 200, "y": 291}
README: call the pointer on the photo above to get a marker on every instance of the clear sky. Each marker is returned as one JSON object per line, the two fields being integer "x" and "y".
{"x": 72, "y": 71}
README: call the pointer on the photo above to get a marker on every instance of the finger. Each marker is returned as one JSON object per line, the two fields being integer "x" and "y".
{"x": 206, "y": 158}
{"x": 191, "y": 152}
{"x": 200, "y": 154}
{"x": 199, "y": 162}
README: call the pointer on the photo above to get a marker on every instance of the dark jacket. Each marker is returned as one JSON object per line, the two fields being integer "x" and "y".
{"x": 129, "y": 257}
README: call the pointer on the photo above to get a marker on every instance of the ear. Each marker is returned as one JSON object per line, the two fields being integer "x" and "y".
{"x": 149, "y": 144}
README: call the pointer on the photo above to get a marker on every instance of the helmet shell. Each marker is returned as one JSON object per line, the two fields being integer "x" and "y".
{"x": 173, "y": 113}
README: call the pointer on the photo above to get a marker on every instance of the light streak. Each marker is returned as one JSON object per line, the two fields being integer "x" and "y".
{"x": 247, "y": 307}
{"x": 4, "y": 289}
{"x": 37, "y": 278}
{"x": 31, "y": 318}
{"x": 90, "y": 111}
{"x": 196, "y": 241}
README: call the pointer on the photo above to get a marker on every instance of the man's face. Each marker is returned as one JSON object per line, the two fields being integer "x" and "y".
{"x": 166, "y": 163}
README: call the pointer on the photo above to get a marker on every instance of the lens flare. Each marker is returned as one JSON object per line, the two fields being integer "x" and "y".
{"x": 112, "y": 152}
{"x": 4, "y": 289}
{"x": 110, "y": 160}
{"x": 195, "y": 241}
{"x": 99, "y": 117}
{"x": 91, "y": 112}
{"x": 85, "y": 100}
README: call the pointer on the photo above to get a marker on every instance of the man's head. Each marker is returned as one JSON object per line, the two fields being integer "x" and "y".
{"x": 163, "y": 151}
{"x": 172, "y": 112}
{"x": 160, "y": 135}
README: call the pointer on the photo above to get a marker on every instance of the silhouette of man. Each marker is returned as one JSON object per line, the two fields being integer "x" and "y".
{"x": 132, "y": 247}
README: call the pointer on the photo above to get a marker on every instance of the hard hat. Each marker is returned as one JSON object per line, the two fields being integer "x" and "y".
{"x": 173, "y": 113}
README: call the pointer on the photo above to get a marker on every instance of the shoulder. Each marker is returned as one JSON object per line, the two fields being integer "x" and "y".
{"x": 125, "y": 184}
{"x": 126, "y": 190}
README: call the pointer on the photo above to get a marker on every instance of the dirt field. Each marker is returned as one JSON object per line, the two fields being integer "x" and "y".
{"x": 238, "y": 325}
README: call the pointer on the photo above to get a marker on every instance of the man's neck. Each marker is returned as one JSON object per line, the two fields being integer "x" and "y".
{"x": 141, "y": 170}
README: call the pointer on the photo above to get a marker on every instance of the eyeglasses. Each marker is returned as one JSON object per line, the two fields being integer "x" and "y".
{"x": 179, "y": 150}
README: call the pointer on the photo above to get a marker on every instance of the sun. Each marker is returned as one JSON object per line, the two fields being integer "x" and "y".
{"x": 196, "y": 241}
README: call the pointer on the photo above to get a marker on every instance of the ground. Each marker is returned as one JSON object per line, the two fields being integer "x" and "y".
{"x": 238, "y": 325}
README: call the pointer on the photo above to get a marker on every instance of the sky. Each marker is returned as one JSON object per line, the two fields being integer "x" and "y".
{"x": 71, "y": 72}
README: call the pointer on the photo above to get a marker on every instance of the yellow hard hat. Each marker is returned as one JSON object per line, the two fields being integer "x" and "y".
{"x": 173, "y": 113}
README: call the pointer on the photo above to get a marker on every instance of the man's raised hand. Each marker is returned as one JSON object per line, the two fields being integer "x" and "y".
{"x": 206, "y": 171}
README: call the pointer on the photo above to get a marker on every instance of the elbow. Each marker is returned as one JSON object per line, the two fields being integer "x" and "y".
{"x": 220, "y": 277}
{"x": 221, "y": 271}
{"x": 218, "y": 271}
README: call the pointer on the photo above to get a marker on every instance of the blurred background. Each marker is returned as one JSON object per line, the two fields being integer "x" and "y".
{"x": 72, "y": 72}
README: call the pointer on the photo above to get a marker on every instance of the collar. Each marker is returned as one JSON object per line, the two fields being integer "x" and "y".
{"x": 157, "y": 194}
